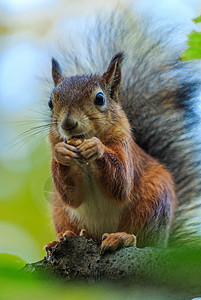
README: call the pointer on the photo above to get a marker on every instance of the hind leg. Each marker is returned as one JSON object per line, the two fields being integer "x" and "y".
{"x": 113, "y": 241}
{"x": 62, "y": 236}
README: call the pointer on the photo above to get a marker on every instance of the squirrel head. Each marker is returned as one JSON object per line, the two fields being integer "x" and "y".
{"x": 84, "y": 106}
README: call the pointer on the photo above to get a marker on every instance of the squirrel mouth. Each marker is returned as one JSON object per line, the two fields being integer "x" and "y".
{"x": 71, "y": 135}
{"x": 79, "y": 136}
{"x": 82, "y": 135}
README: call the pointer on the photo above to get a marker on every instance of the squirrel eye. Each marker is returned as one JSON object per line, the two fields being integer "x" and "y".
{"x": 50, "y": 103}
{"x": 100, "y": 99}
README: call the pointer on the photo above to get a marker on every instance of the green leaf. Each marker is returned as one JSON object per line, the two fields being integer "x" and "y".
{"x": 197, "y": 20}
{"x": 194, "y": 47}
{"x": 9, "y": 260}
{"x": 194, "y": 44}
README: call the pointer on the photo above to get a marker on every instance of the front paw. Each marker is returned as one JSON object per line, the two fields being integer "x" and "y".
{"x": 66, "y": 154}
{"x": 91, "y": 149}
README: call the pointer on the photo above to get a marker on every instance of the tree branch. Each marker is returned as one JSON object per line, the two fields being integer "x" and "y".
{"x": 79, "y": 258}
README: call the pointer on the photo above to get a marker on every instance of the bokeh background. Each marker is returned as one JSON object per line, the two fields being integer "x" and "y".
{"x": 30, "y": 33}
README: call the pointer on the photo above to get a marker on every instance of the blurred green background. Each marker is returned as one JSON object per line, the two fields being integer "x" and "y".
{"x": 30, "y": 33}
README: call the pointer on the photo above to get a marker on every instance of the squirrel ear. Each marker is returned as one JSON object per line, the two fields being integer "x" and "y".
{"x": 112, "y": 76}
{"x": 56, "y": 71}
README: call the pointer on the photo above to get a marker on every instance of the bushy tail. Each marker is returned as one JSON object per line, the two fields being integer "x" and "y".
{"x": 160, "y": 95}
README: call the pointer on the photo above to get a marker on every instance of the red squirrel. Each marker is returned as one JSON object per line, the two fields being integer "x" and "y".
{"x": 103, "y": 181}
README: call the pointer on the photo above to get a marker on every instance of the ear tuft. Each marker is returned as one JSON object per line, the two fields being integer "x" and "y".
{"x": 117, "y": 57}
{"x": 112, "y": 76}
{"x": 56, "y": 71}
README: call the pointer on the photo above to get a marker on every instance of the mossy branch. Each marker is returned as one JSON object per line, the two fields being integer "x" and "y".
{"x": 78, "y": 258}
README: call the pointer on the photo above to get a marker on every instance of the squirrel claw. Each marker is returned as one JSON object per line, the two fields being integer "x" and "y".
{"x": 113, "y": 241}
{"x": 104, "y": 236}
{"x": 83, "y": 232}
{"x": 64, "y": 236}
{"x": 50, "y": 246}
{"x": 60, "y": 236}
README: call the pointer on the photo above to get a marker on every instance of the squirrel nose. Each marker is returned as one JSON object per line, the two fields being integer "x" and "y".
{"x": 68, "y": 124}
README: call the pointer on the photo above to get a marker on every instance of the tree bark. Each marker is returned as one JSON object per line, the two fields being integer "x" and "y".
{"x": 78, "y": 258}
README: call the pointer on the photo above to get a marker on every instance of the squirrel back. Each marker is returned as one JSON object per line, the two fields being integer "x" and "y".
{"x": 159, "y": 96}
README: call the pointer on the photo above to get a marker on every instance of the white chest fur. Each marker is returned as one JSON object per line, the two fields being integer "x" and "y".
{"x": 96, "y": 214}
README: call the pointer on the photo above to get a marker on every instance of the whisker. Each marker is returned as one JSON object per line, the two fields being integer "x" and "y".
{"x": 39, "y": 112}
{"x": 84, "y": 114}
{"x": 28, "y": 133}
{"x": 27, "y": 138}
{"x": 45, "y": 79}
{"x": 26, "y": 122}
